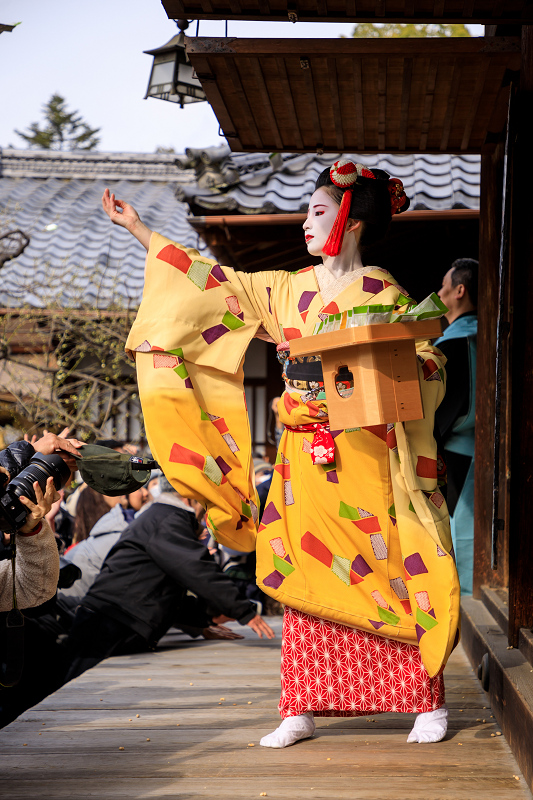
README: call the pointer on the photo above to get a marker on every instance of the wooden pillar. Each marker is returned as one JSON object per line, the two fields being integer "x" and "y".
{"x": 489, "y": 249}
{"x": 521, "y": 237}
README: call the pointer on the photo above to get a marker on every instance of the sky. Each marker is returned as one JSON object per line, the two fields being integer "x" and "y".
{"x": 92, "y": 54}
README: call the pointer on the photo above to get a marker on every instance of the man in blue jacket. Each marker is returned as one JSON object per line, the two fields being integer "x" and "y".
{"x": 457, "y": 413}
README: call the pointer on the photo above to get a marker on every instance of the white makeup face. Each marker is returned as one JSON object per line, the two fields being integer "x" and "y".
{"x": 320, "y": 218}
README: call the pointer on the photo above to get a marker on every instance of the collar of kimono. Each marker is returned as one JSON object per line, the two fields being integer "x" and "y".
{"x": 323, "y": 444}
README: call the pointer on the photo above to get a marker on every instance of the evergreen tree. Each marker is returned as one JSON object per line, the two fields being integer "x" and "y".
{"x": 63, "y": 129}
{"x": 389, "y": 30}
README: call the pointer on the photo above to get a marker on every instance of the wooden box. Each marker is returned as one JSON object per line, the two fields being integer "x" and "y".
{"x": 383, "y": 363}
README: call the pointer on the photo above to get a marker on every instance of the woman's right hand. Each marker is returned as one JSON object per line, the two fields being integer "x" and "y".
{"x": 127, "y": 218}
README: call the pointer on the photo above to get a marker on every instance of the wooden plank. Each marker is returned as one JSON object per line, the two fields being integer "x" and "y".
{"x": 240, "y": 96}
{"x": 406, "y": 97}
{"x": 468, "y": 8}
{"x": 475, "y": 101}
{"x": 356, "y": 67}
{"x": 256, "y": 71}
{"x": 311, "y": 101}
{"x": 428, "y": 104}
{"x": 203, "y": 750}
{"x": 451, "y": 106}
{"x": 382, "y": 103}
{"x": 289, "y": 101}
{"x": 335, "y": 103}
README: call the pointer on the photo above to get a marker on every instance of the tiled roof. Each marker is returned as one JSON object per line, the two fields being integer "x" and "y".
{"x": 433, "y": 182}
{"x": 75, "y": 253}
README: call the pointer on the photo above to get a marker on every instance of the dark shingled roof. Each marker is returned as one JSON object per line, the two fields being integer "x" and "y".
{"x": 75, "y": 254}
{"x": 284, "y": 183}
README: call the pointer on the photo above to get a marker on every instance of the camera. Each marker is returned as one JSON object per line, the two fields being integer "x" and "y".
{"x": 13, "y": 513}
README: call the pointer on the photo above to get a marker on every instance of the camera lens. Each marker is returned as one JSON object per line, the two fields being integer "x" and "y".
{"x": 39, "y": 469}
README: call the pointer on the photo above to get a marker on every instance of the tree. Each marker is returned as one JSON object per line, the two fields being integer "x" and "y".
{"x": 63, "y": 129}
{"x": 390, "y": 30}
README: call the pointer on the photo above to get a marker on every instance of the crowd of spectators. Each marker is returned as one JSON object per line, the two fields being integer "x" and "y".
{"x": 133, "y": 567}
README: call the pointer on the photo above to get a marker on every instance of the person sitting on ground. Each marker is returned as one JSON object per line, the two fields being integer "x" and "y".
{"x": 144, "y": 581}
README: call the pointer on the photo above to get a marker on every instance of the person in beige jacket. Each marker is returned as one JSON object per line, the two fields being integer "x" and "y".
{"x": 37, "y": 558}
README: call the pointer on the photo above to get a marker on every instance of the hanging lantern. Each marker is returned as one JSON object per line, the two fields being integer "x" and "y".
{"x": 172, "y": 77}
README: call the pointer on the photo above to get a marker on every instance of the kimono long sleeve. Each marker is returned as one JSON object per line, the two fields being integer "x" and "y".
{"x": 194, "y": 324}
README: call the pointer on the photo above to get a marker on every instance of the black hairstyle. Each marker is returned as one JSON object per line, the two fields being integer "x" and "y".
{"x": 371, "y": 203}
{"x": 465, "y": 271}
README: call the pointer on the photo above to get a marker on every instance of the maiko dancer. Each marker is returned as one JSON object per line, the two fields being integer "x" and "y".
{"x": 355, "y": 538}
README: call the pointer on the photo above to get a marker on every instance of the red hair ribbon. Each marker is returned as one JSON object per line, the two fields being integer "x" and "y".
{"x": 397, "y": 195}
{"x": 344, "y": 174}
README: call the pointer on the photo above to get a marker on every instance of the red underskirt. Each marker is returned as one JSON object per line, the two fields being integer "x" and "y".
{"x": 336, "y": 671}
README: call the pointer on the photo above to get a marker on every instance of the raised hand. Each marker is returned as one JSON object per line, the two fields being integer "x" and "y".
{"x": 41, "y": 508}
{"x": 121, "y": 213}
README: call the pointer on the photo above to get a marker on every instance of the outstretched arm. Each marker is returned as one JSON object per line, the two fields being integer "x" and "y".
{"x": 121, "y": 213}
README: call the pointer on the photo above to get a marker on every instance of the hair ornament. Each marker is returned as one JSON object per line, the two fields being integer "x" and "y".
{"x": 343, "y": 174}
{"x": 398, "y": 198}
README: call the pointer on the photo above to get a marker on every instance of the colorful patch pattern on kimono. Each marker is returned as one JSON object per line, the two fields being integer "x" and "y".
{"x": 203, "y": 274}
{"x": 424, "y": 614}
{"x": 215, "y": 469}
{"x": 230, "y": 322}
{"x": 282, "y": 564}
{"x": 170, "y": 359}
{"x": 348, "y": 571}
{"x": 222, "y": 428}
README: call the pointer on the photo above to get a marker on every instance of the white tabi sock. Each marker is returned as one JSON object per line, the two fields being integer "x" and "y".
{"x": 291, "y": 730}
{"x": 430, "y": 726}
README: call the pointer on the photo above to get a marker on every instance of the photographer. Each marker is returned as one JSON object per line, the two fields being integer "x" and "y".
{"x": 37, "y": 560}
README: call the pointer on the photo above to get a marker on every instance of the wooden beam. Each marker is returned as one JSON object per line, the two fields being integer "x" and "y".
{"x": 252, "y": 220}
{"x": 489, "y": 247}
{"x": 468, "y": 9}
{"x": 217, "y": 102}
{"x": 521, "y": 237}
{"x": 352, "y": 11}
{"x": 436, "y": 47}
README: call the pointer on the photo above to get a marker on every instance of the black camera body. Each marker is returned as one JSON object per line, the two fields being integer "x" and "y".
{"x": 13, "y": 513}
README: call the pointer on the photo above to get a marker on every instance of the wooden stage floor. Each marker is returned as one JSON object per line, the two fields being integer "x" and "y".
{"x": 185, "y": 722}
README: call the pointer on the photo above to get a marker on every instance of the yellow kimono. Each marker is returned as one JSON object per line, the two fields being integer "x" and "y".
{"x": 364, "y": 541}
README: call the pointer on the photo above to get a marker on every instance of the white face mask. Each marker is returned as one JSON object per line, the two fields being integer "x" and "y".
{"x": 155, "y": 491}
{"x": 320, "y": 218}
